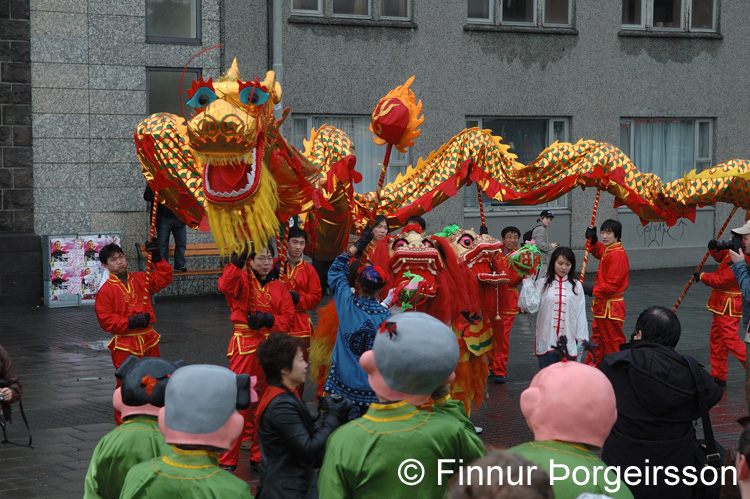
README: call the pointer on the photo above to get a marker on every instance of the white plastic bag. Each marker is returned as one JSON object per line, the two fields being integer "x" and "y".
{"x": 529, "y": 297}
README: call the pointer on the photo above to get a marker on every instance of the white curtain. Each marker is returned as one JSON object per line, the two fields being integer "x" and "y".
{"x": 664, "y": 147}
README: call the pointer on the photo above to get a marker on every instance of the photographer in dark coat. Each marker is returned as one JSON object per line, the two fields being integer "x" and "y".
{"x": 657, "y": 401}
{"x": 291, "y": 444}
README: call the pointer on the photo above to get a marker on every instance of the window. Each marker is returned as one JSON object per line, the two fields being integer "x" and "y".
{"x": 173, "y": 21}
{"x": 369, "y": 154}
{"x": 667, "y": 147}
{"x": 670, "y": 15}
{"x": 535, "y": 13}
{"x": 364, "y": 9}
{"x": 163, "y": 90}
{"x": 527, "y": 138}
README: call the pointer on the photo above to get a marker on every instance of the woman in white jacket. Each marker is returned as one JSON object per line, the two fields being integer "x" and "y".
{"x": 562, "y": 308}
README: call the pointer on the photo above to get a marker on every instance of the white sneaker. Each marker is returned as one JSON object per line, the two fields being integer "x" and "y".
{"x": 478, "y": 430}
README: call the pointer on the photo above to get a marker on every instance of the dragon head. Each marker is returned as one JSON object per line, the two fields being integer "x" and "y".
{"x": 479, "y": 252}
{"x": 416, "y": 255}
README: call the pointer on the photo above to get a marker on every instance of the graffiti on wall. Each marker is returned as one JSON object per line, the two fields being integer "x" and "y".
{"x": 657, "y": 233}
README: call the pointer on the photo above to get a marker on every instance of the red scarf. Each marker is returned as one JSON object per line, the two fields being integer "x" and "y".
{"x": 270, "y": 393}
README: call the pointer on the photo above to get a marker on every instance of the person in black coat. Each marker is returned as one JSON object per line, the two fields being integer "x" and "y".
{"x": 291, "y": 443}
{"x": 657, "y": 402}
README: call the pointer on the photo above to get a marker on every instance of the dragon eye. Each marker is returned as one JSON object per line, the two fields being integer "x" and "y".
{"x": 428, "y": 243}
{"x": 466, "y": 241}
{"x": 202, "y": 97}
{"x": 253, "y": 96}
{"x": 399, "y": 243}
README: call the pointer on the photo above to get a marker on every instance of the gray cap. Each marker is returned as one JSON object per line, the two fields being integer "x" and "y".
{"x": 417, "y": 355}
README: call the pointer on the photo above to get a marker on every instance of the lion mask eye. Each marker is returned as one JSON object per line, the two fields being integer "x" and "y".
{"x": 253, "y": 96}
{"x": 202, "y": 97}
{"x": 466, "y": 241}
{"x": 399, "y": 243}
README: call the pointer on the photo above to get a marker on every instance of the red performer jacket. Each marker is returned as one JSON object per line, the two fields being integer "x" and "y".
{"x": 612, "y": 280}
{"x": 272, "y": 297}
{"x": 508, "y": 292}
{"x": 725, "y": 298}
{"x": 302, "y": 279}
{"x": 116, "y": 301}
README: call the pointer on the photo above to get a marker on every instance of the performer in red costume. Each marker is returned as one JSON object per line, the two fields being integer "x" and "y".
{"x": 612, "y": 280}
{"x": 260, "y": 305}
{"x": 508, "y": 307}
{"x": 123, "y": 305}
{"x": 725, "y": 303}
{"x": 304, "y": 286}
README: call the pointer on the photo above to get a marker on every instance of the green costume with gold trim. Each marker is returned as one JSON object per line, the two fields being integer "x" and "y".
{"x": 542, "y": 452}
{"x": 136, "y": 440}
{"x": 363, "y": 456}
{"x": 183, "y": 473}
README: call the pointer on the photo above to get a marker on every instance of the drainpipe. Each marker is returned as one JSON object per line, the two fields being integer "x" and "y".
{"x": 274, "y": 30}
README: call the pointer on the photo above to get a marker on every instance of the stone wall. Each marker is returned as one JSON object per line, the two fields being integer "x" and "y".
{"x": 88, "y": 74}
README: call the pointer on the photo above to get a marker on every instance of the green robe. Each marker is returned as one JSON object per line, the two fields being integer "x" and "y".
{"x": 362, "y": 457}
{"x": 544, "y": 452}
{"x": 193, "y": 474}
{"x": 136, "y": 440}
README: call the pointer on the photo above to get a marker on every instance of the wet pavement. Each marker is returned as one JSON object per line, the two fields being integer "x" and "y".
{"x": 61, "y": 357}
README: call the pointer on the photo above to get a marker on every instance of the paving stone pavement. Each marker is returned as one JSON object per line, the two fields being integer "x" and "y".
{"x": 61, "y": 357}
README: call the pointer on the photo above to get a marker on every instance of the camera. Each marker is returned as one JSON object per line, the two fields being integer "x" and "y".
{"x": 732, "y": 244}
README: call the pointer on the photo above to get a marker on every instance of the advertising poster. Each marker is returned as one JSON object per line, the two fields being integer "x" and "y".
{"x": 92, "y": 244}
{"x": 65, "y": 252}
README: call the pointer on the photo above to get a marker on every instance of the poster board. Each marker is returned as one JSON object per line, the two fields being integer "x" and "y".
{"x": 72, "y": 271}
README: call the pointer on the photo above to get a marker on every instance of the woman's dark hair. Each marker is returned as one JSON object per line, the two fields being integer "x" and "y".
{"x": 378, "y": 220}
{"x": 612, "y": 225}
{"x": 108, "y": 251}
{"x": 276, "y": 353}
{"x": 568, "y": 254}
{"x": 660, "y": 325}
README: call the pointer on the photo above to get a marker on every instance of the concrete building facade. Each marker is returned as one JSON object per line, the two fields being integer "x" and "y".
{"x": 618, "y": 72}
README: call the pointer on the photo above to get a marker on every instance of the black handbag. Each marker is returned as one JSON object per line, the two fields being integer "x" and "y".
{"x": 6, "y": 413}
{"x": 708, "y": 452}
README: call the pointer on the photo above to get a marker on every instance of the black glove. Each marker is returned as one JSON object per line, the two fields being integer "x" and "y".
{"x": 483, "y": 230}
{"x": 239, "y": 260}
{"x": 364, "y": 239}
{"x": 588, "y": 290}
{"x": 591, "y": 235}
{"x": 153, "y": 247}
{"x": 268, "y": 320}
{"x": 139, "y": 321}
{"x": 712, "y": 244}
{"x": 295, "y": 297}
{"x": 255, "y": 321}
{"x": 697, "y": 276}
{"x": 338, "y": 407}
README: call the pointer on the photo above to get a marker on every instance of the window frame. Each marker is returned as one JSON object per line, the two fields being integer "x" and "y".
{"x": 167, "y": 69}
{"x": 538, "y": 9}
{"x": 325, "y": 11}
{"x": 686, "y": 19}
{"x": 708, "y": 160}
{"x": 308, "y": 12}
{"x": 178, "y": 40}
{"x": 490, "y": 205}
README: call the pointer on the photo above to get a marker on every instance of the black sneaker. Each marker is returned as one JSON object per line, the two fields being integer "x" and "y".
{"x": 499, "y": 379}
{"x": 255, "y": 466}
{"x": 490, "y": 374}
{"x": 229, "y": 467}
{"x": 181, "y": 270}
{"x": 721, "y": 382}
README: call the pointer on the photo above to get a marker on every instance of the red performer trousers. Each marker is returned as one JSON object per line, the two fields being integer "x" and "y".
{"x": 607, "y": 333}
{"x": 118, "y": 357}
{"x": 500, "y": 346}
{"x": 239, "y": 364}
{"x": 724, "y": 340}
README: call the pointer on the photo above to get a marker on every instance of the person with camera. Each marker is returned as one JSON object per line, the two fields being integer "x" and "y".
{"x": 725, "y": 302}
{"x": 291, "y": 443}
{"x": 11, "y": 387}
{"x": 741, "y": 244}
